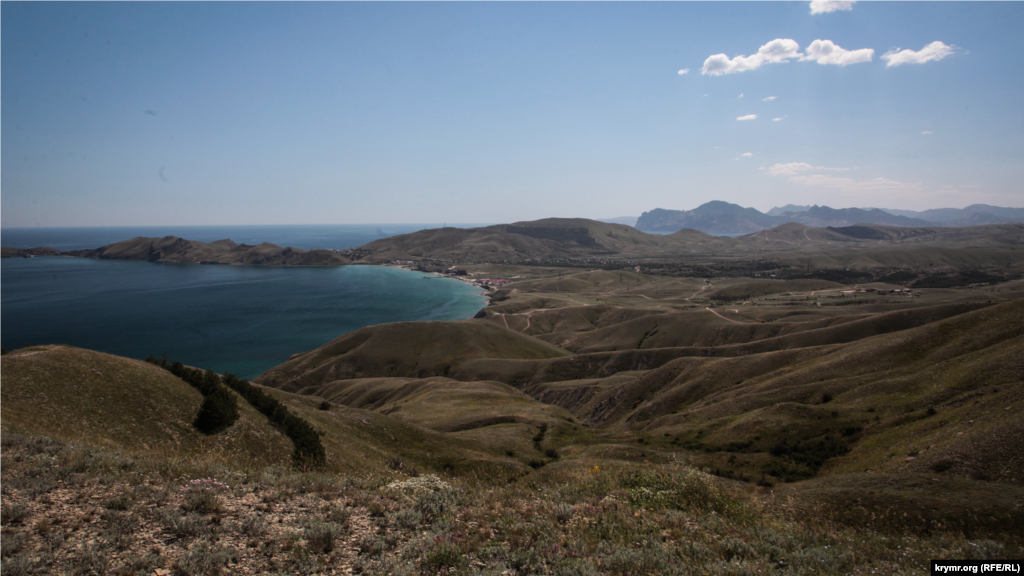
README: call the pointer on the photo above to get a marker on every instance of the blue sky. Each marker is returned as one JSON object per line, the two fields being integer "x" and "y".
{"x": 292, "y": 113}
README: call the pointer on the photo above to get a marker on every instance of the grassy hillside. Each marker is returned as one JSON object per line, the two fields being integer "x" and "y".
{"x": 117, "y": 403}
{"x": 405, "y": 349}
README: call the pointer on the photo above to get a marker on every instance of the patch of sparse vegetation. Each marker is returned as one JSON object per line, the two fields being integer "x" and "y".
{"x": 626, "y": 516}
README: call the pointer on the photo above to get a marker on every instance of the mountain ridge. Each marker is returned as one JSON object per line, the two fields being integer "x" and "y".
{"x": 719, "y": 217}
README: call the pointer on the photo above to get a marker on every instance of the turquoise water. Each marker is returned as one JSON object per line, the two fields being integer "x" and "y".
{"x": 238, "y": 319}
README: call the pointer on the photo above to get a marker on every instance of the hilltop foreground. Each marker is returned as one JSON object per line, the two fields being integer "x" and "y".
{"x": 850, "y": 402}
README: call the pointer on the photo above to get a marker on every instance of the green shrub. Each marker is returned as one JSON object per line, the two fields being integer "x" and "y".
{"x": 217, "y": 413}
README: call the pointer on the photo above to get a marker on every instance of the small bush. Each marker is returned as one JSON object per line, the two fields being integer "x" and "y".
{"x": 436, "y": 504}
{"x": 376, "y": 509}
{"x": 444, "y": 555}
{"x": 203, "y": 559}
{"x": 564, "y": 512}
{"x": 254, "y": 526}
{"x": 942, "y": 466}
{"x": 202, "y": 502}
{"x": 321, "y": 536}
{"x": 409, "y": 518}
{"x": 372, "y": 545}
{"x": 339, "y": 515}
{"x": 12, "y": 514}
{"x": 324, "y": 405}
{"x": 183, "y": 525}
{"x": 119, "y": 502}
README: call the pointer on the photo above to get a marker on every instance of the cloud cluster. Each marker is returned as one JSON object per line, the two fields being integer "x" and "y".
{"x": 769, "y": 99}
{"x": 783, "y": 50}
{"x": 827, "y": 52}
{"x": 778, "y": 50}
{"x": 748, "y": 117}
{"x": 824, "y": 6}
{"x": 684, "y": 71}
{"x": 934, "y": 51}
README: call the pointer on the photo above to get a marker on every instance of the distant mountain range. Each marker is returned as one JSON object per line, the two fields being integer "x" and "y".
{"x": 718, "y": 217}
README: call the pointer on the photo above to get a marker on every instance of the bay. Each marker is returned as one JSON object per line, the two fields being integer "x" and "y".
{"x": 238, "y": 319}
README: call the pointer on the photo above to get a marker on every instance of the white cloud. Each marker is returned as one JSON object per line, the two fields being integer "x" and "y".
{"x": 776, "y": 119}
{"x": 783, "y": 50}
{"x": 803, "y": 173}
{"x": 792, "y": 168}
{"x": 824, "y": 6}
{"x": 748, "y": 117}
{"x": 746, "y": 155}
{"x": 934, "y": 51}
{"x": 684, "y": 71}
{"x": 741, "y": 95}
{"x": 789, "y": 169}
{"x": 778, "y": 50}
{"x": 827, "y": 52}
{"x": 926, "y": 132}
{"x": 768, "y": 99}
{"x": 850, "y": 186}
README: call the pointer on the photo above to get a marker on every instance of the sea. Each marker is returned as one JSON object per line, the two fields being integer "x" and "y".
{"x": 238, "y": 319}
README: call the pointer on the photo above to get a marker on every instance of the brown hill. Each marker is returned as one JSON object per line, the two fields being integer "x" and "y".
{"x": 538, "y": 239}
{"x": 181, "y": 251}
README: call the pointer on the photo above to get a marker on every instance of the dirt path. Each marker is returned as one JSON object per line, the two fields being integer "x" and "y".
{"x": 531, "y": 313}
{"x": 715, "y": 312}
{"x": 706, "y": 286}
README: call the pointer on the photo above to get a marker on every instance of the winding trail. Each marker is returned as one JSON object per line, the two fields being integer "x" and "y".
{"x": 699, "y": 291}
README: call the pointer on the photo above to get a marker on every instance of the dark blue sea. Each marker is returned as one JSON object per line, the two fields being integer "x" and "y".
{"x": 238, "y": 319}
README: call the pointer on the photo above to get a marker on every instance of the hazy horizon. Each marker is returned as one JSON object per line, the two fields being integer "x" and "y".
{"x": 185, "y": 114}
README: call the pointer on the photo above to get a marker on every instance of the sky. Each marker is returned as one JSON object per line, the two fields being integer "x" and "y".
{"x": 195, "y": 113}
